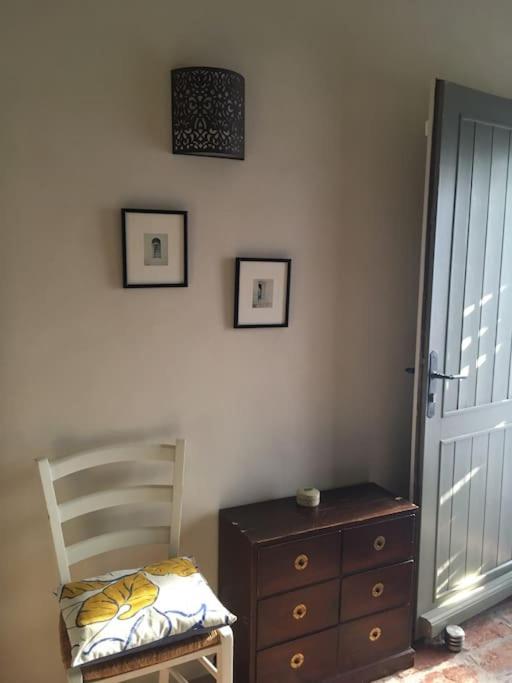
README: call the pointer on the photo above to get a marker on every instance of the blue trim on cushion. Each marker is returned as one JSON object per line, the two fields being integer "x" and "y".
{"x": 202, "y": 609}
{"x": 103, "y": 640}
{"x": 132, "y": 630}
{"x": 199, "y": 624}
{"x": 164, "y": 615}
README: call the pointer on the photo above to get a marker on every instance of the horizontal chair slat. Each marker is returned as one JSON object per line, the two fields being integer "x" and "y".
{"x": 115, "y": 540}
{"x": 113, "y": 498}
{"x": 82, "y": 461}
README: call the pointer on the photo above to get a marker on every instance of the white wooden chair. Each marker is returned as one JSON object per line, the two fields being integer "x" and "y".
{"x": 163, "y": 658}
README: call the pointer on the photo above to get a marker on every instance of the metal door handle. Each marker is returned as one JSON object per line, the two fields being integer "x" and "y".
{"x": 433, "y": 375}
{"x": 442, "y": 375}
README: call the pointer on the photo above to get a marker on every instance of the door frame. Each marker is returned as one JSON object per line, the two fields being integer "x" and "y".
{"x": 426, "y": 267}
{"x": 432, "y": 622}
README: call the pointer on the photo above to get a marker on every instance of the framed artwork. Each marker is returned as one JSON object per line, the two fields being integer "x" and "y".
{"x": 154, "y": 248}
{"x": 262, "y": 292}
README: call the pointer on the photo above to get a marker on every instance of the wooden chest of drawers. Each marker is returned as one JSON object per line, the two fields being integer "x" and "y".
{"x": 323, "y": 594}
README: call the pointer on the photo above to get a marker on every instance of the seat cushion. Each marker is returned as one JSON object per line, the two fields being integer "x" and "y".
{"x": 109, "y": 615}
{"x": 135, "y": 661}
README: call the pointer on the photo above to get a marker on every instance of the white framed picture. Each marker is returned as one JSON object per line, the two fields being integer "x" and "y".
{"x": 262, "y": 292}
{"x": 154, "y": 248}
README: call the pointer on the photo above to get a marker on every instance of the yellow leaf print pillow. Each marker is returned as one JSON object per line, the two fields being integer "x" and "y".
{"x": 117, "y": 612}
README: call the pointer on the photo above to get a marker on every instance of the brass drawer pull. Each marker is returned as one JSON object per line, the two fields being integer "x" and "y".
{"x": 378, "y": 590}
{"x": 297, "y": 660}
{"x": 300, "y": 612}
{"x": 375, "y": 634}
{"x": 379, "y": 542}
{"x": 301, "y": 562}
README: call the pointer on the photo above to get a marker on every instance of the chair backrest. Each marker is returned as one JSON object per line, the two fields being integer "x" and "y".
{"x": 171, "y": 492}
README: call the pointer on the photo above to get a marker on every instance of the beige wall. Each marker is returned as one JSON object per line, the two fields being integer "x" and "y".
{"x": 336, "y": 98}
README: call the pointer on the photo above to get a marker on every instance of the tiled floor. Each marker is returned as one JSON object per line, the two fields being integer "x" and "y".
{"x": 486, "y": 657}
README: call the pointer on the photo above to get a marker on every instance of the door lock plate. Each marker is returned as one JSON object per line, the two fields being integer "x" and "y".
{"x": 433, "y": 365}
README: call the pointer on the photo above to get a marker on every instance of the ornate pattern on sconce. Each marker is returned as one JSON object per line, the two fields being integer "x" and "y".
{"x": 208, "y": 112}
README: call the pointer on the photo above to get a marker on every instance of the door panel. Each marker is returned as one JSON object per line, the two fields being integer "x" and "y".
{"x": 493, "y": 507}
{"x": 458, "y": 263}
{"x": 444, "y": 517}
{"x": 459, "y": 495}
{"x": 476, "y": 270}
{"x": 473, "y": 530}
{"x": 490, "y": 292}
{"x": 505, "y": 529}
{"x": 477, "y": 499}
{"x": 478, "y": 210}
{"x": 465, "y": 448}
{"x": 502, "y": 375}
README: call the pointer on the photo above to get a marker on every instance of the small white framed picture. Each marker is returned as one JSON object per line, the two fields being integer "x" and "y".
{"x": 262, "y": 292}
{"x": 154, "y": 248}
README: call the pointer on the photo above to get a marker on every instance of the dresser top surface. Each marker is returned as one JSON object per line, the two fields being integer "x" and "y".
{"x": 274, "y": 519}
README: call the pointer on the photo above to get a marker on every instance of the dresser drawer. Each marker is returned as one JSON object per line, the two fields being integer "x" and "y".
{"x": 306, "y": 660}
{"x": 298, "y": 563}
{"x": 363, "y": 641}
{"x": 291, "y": 615}
{"x": 377, "y": 544}
{"x": 376, "y": 590}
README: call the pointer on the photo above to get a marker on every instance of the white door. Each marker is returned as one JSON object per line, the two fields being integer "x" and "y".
{"x": 463, "y": 427}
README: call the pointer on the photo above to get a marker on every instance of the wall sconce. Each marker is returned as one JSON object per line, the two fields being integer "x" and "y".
{"x": 208, "y": 112}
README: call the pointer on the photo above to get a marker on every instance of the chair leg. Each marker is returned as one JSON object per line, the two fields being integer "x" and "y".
{"x": 163, "y": 676}
{"x": 176, "y": 676}
{"x": 225, "y": 663}
{"x": 74, "y": 675}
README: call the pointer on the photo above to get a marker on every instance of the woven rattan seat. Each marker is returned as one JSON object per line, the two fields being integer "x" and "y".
{"x": 137, "y": 660}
